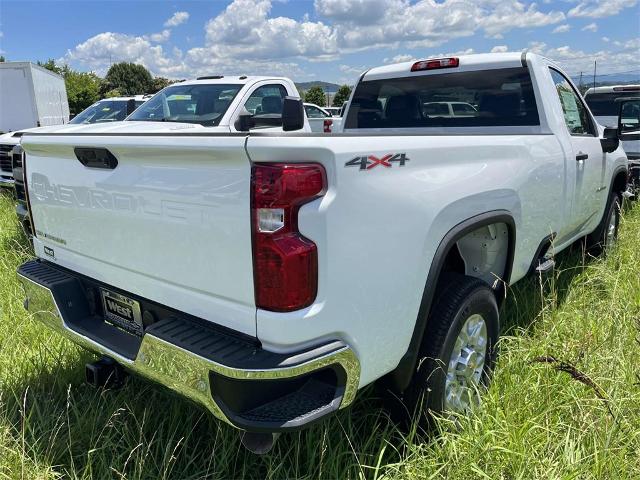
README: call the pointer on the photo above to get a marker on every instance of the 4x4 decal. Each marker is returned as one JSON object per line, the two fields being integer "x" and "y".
{"x": 367, "y": 162}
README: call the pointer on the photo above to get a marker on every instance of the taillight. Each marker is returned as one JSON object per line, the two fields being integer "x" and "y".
{"x": 435, "y": 63}
{"x": 285, "y": 263}
{"x": 327, "y": 126}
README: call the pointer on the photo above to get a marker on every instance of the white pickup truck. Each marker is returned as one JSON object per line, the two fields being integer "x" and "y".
{"x": 270, "y": 276}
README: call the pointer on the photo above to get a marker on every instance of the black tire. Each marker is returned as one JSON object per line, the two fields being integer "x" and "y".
{"x": 457, "y": 298}
{"x": 603, "y": 238}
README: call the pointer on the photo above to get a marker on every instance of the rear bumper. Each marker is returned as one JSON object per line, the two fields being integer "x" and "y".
{"x": 233, "y": 377}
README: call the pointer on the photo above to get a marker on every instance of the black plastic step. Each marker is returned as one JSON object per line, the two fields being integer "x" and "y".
{"x": 310, "y": 401}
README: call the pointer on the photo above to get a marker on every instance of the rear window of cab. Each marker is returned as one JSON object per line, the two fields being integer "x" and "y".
{"x": 499, "y": 97}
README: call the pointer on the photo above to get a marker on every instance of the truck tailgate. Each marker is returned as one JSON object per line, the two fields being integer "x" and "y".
{"x": 171, "y": 222}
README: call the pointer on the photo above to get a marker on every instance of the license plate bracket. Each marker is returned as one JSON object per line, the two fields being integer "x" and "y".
{"x": 123, "y": 312}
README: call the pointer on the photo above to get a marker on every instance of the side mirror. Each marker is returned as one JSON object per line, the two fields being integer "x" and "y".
{"x": 245, "y": 121}
{"x": 609, "y": 140}
{"x": 292, "y": 114}
{"x": 629, "y": 119}
{"x": 131, "y": 106}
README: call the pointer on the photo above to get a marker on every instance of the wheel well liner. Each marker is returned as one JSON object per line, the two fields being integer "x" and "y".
{"x": 400, "y": 377}
{"x": 619, "y": 180}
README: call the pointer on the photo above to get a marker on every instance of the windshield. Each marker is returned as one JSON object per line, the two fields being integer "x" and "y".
{"x": 203, "y": 104}
{"x": 104, "y": 111}
{"x": 604, "y": 104}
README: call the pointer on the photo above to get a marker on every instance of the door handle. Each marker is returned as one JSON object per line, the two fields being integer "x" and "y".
{"x": 581, "y": 157}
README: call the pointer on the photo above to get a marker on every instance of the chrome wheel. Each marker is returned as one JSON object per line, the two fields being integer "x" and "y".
{"x": 610, "y": 233}
{"x": 466, "y": 365}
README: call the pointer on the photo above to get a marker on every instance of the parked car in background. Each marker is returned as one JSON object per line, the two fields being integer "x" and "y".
{"x": 320, "y": 119}
{"x": 605, "y": 106}
{"x": 334, "y": 111}
{"x": 31, "y": 96}
{"x": 113, "y": 109}
{"x": 269, "y": 277}
{"x": 449, "y": 109}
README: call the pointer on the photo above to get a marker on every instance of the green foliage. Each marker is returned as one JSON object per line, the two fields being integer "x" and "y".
{"x": 83, "y": 89}
{"x": 342, "y": 95}
{"x": 315, "y": 95}
{"x": 52, "y": 66}
{"x": 2, "y": 60}
{"x": 128, "y": 78}
{"x": 536, "y": 422}
{"x": 159, "y": 83}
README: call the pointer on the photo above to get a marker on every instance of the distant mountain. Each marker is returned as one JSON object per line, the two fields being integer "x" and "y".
{"x": 609, "y": 79}
{"x": 326, "y": 86}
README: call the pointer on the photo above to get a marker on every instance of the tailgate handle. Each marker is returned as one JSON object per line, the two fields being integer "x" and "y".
{"x": 96, "y": 157}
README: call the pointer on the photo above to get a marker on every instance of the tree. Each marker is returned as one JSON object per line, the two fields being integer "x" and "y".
{"x": 83, "y": 89}
{"x": 315, "y": 95}
{"x": 128, "y": 79}
{"x": 2, "y": 60}
{"x": 159, "y": 83}
{"x": 342, "y": 95}
{"x": 52, "y": 66}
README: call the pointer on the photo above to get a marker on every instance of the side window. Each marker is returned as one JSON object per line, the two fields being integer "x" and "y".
{"x": 576, "y": 115}
{"x": 314, "y": 112}
{"x": 266, "y": 99}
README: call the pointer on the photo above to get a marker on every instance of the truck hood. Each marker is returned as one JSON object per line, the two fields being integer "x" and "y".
{"x": 130, "y": 127}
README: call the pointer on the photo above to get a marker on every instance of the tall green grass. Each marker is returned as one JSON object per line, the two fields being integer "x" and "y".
{"x": 535, "y": 421}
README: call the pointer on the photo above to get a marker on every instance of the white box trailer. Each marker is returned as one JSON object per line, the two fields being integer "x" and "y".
{"x": 31, "y": 96}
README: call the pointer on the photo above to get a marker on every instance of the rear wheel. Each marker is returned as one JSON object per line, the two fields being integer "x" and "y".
{"x": 458, "y": 349}
{"x": 605, "y": 237}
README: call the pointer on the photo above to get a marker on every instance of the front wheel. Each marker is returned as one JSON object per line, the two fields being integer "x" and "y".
{"x": 458, "y": 348}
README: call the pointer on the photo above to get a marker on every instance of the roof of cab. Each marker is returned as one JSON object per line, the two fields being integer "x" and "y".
{"x": 481, "y": 61}
{"x": 613, "y": 88}
{"x": 232, "y": 79}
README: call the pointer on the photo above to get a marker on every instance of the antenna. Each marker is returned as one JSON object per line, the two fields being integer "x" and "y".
{"x": 594, "y": 73}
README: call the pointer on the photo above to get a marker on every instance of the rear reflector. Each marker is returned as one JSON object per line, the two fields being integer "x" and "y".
{"x": 435, "y": 64}
{"x": 285, "y": 263}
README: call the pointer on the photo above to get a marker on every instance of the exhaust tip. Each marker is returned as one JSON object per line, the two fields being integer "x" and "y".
{"x": 258, "y": 443}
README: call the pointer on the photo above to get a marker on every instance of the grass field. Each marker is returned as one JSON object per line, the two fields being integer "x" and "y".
{"x": 539, "y": 419}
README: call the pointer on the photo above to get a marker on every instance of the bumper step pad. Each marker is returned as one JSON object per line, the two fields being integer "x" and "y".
{"x": 231, "y": 374}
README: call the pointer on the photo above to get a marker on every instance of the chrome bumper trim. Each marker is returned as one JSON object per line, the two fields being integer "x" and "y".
{"x": 181, "y": 370}
{"x": 6, "y": 182}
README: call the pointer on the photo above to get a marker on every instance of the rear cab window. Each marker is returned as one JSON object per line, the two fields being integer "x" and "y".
{"x": 501, "y": 97}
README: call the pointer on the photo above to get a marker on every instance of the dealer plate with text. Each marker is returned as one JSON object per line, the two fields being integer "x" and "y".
{"x": 123, "y": 312}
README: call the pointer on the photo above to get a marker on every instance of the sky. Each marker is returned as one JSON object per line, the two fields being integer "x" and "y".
{"x": 331, "y": 40}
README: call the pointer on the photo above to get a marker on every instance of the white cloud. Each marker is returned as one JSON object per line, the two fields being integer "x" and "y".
{"x": 500, "y": 49}
{"x": 176, "y": 19}
{"x": 244, "y": 30}
{"x": 606, "y": 39}
{"x": 163, "y": 36}
{"x": 505, "y": 16}
{"x": 562, "y": 28}
{"x": 360, "y": 12}
{"x": 592, "y": 27}
{"x": 576, "y": 61}
{"x": 404, "y": 57}
{"x": 600, "y": 8}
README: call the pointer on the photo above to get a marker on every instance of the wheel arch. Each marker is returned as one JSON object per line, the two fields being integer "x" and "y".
{"x": 399, "y": 378}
